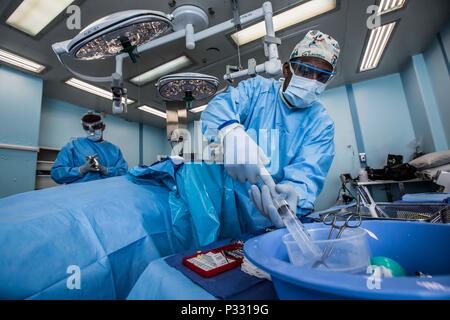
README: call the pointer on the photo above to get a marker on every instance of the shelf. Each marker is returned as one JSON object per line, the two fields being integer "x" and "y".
{"x": 49, "y": 148}
{"x": 43, "y": 165}
{"x": 45, "y": 160}
{"x": 44, "y": 181}
{"x": 381, "y": 182}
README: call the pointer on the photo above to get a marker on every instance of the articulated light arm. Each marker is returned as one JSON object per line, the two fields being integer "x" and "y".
{"x": 188, "y": 18}
{"x": 61, "y": 48}
{"x": 273, "y": 65}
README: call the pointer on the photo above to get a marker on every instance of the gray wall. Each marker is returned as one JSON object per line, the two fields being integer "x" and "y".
{"x": 154, "y": 143}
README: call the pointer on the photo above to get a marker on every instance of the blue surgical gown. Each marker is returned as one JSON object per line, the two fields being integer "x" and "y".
{"x": 299, "y": 141}
{"x": 73, "y": 155}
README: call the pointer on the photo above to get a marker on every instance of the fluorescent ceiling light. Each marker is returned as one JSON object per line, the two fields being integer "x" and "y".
{"x": 92, "y": 89}
{"x": 162, "y": 70}
{"x": 378, "y": 39}
{"x": 31, "y": 16}
{"x": 284, "y": 20}
{"x": 198, "y": 109}
{"x": 20, "y": 62}
{"x": 390, "y": 5}
{"x": 154, "y": 111}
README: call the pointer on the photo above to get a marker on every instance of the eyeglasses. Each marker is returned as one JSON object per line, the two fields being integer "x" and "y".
{"x": 307, "y": 71}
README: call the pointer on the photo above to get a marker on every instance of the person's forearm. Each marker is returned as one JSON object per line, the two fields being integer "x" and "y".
{"x": 64, "y": 175}
{"x": 114, "y": 171}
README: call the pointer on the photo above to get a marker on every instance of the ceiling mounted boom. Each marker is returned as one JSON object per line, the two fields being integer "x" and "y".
{"x": 129, "y": 33}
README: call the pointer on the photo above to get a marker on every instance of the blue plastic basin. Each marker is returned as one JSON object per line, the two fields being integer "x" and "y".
{"x": 416, "y": 246}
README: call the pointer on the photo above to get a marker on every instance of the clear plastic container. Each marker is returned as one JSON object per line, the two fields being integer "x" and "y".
{"x": 350, "y": 253}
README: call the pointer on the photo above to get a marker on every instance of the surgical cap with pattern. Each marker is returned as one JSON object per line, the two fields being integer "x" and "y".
{"x": 319, "y": 45}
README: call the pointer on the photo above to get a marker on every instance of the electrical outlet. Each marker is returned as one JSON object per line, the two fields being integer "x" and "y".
{"x": 362, "y": 157}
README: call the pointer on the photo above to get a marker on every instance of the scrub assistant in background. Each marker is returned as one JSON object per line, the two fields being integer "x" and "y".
{"x": 89, "y": 158}
{"x": 93, "y": 125}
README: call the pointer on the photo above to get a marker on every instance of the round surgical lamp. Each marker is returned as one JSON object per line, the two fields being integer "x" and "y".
{"x": 187, "y": 87}
{"x": 117, "y": 33}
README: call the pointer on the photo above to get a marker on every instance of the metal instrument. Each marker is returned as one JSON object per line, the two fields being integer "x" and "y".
{"x": 350, "y": 221}
{"x": 331, "y": 219}
{"x": 93, "y": 160}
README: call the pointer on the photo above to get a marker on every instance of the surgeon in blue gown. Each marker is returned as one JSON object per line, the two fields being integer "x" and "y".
{"x": 73, "y": 165}
{"x": 280, "y": 124}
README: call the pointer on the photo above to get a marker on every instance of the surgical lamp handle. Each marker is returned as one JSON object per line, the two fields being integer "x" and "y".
{"x": 190, "y": 37}
{"x": 60, "y": 49}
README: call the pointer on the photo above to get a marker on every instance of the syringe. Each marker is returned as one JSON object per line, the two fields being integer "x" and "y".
{"x": 310, "y": 250}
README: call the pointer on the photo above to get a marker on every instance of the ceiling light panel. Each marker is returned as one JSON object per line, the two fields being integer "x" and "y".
{"x": 390, "y": 5}
{"x": 198, "y": 109}
{"x": 153, "y": 111}
{"x": 300, "y": 13}
{"x": 92, "y": 89}
{"x": 21, "y": 62}
{"x": 162, "y": 70}
{"x": 32, "y": 16}
{"x": 378, "y": 40}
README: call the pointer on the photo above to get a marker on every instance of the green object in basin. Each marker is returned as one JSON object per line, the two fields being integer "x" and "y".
{"x": 392, "y": 265}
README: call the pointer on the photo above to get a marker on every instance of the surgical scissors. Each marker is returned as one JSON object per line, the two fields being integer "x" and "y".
{"x": 331, "y": 219}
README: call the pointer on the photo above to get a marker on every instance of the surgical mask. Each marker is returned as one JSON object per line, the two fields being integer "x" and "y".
{"x": 302, "y": 92}
{"x": 95, "y": 135}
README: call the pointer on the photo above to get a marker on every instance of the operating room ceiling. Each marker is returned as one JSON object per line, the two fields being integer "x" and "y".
{"x": 420, "y": 21}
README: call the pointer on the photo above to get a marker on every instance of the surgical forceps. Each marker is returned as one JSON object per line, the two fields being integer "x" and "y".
{"x": 331, "y": 219}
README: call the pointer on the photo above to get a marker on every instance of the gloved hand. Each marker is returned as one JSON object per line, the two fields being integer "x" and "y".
{"x": 103, "y": 170}
{"x": 242, "y": 156}
{"x": 87, "y": 167}
{"x": 263, "y": 201}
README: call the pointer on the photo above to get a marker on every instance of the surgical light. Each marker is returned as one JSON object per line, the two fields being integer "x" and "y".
{"x": 183, "y": 87}
{"x": 93, "y": 89}
{"x": 378, "y": 40}
{"x": 187, "y": 87}
{"x": 119, "y": 32}
{"x": 32, "y": 16}
{"x": 164, "y": 69}
{"x": 199, "y": 109}
{"x": 300, "y": 13}
{"x": 154, "y": 111}
{"x": 390, "y": 5}
{"x": 20, "y": 62}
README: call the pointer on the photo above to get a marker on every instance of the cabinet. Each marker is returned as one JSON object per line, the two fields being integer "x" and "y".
{"x": 45, "y": 160}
